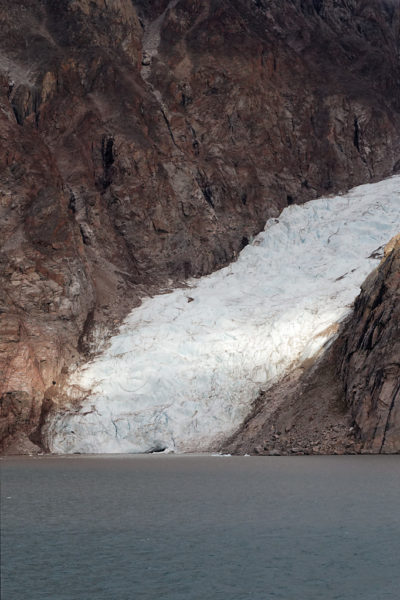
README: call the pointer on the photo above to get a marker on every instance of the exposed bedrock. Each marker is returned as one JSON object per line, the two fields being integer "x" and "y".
{"x": 146, "y": 142}
{"x": 370, "y": 358}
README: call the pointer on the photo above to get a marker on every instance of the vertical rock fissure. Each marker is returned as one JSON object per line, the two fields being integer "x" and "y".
{"x": 393, "y": 402}
{"x": 169, "y": 127}
{"x": 356, "y": 138}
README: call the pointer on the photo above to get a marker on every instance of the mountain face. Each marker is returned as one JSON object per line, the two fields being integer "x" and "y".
{"x": 370, "y": 358}
{"x": 146, "y": 142}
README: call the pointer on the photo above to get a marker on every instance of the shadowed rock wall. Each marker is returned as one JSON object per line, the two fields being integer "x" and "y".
{"x": 370, "y": 365}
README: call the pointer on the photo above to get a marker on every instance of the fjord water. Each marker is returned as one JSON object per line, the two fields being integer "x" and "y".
{"x": 201, "y": 527}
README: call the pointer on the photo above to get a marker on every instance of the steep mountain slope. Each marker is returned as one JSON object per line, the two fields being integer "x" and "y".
{"x": 370, "y": 353}
{"x": 349, "y": 401}
{"x": 118, "y": 178}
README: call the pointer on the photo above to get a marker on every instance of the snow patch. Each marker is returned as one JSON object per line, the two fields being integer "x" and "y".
{"x": 185, "y": 367}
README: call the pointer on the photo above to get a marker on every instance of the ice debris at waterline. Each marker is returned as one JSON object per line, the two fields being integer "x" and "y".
{"x": 186, "y": 366}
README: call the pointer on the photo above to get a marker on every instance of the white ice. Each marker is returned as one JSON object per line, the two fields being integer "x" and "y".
{"x": 182, "y": 374}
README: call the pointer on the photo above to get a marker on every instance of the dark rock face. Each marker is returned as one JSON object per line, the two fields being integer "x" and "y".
{"x": 370, "y": 358}
{"x": 121, "y": 174}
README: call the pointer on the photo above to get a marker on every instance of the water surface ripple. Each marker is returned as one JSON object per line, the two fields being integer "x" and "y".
{"x": 200, "y": 527}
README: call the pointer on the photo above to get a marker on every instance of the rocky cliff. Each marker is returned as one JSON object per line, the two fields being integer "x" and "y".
{"x": 370, "y": 358}
{"x": 146, "y": 142}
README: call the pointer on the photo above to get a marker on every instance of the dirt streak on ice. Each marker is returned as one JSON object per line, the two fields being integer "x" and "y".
{"x": 186, "y": 366}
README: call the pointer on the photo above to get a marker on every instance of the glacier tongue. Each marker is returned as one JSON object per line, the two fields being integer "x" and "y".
{"x": 185, "y": 367}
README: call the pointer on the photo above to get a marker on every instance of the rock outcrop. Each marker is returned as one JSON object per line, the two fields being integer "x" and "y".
{"x": 370, "y": 358}
{"x": 145, "y": 142}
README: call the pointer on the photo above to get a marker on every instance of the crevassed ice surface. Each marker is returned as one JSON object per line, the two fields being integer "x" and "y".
{"x": 186, "y": 366}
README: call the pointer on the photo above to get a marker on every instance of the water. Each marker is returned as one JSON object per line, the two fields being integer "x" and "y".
{"x": 193, "y": 528}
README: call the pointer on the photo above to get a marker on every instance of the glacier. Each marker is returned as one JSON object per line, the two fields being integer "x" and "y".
{"x": 186, "y": 366}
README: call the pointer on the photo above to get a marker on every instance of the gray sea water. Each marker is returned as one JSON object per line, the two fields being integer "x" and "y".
{"x": 200, "y": 528}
